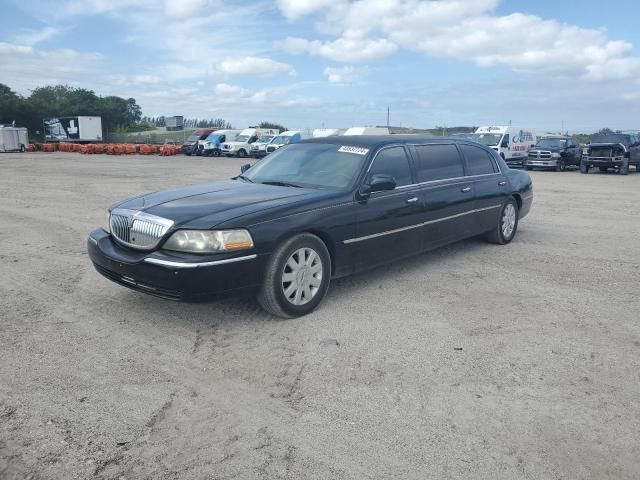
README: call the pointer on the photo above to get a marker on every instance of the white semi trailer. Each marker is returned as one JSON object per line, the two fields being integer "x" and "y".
{"x": 73, "y": 129}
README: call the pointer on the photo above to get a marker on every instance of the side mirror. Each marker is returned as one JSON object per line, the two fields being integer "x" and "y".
{"x": 504, "y": 145}
{"x": 378, "y": 183}
{"x": 245, "y": 167}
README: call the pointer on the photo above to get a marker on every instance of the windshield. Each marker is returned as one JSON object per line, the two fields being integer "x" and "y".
{"x": 552, "y": 143}
{"x": 193, "y": 138}
{"x": 214, "y": 137}
{"x": 282, "y": 140}
{"x": 489, "y": 139}
{"x": 241, "y": 138}
{"x": 265, "y": 138}
{"x": 316, "y": 165}
{"x": 611, "y": 138}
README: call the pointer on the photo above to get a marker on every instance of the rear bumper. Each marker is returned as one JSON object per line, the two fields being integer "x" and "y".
{"x": 186, "y": 277}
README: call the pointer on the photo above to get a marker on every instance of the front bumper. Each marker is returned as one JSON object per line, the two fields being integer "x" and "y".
{"x": 603, "y": 161}
{"x": 186, "y": 277}
{"x": 542, "y": 163}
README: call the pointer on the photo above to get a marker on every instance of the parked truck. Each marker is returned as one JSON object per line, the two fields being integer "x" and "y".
{"x": 73, "y": 129}
{"x": 13, "y": 139}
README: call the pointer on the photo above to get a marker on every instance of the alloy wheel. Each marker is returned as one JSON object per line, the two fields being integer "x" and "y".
{"x": 302, "y": 276}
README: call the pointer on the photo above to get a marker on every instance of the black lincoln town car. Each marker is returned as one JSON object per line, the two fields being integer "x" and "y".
{"x": 309, "y": 212}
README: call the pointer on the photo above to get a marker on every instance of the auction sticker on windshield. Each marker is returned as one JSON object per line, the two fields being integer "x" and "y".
{"x": 354, "y": 150}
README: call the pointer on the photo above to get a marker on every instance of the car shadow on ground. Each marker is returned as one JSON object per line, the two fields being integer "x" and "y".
{"x": 342, "y": 290}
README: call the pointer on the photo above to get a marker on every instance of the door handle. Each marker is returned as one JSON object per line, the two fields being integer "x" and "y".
{"x": 502, "y": 184}
{"x": 466, "y": 189}
{"x": 412, "y": 200}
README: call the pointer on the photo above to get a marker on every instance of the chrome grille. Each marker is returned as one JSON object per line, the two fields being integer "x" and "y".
{"x": 138, "y": 229}
{"x": 539, "y": 154}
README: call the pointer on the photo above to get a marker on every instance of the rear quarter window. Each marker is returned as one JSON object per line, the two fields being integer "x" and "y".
{"x": 479, "y": 162}
{"x": 438, "y": 162}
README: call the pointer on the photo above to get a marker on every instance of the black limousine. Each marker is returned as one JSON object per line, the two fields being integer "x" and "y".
{"x": 309, "y": 212}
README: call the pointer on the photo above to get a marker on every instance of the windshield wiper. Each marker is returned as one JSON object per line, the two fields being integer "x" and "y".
{"x": 242, "y": 177}
{"x": 280, "y": 184}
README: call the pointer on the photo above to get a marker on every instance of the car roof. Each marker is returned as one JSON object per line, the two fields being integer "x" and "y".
{"x": 377, "y": 141}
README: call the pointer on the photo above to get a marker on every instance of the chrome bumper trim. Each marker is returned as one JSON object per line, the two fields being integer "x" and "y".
{"x": 169, "y": 263}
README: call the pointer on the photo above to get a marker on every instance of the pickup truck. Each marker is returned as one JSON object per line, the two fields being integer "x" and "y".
{"x": 554, "y": 153}
{"x": 612, "y": 151}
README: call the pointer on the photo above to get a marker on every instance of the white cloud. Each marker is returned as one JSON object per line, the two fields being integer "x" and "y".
{"x": 294, "y": 9}
{"x": 32, "y": 37}
{"x": 185, "y": 8}
{"x": 341, "y": 75}
{"x": 460, "y": 29}
{"x": 342, "y": 49}
{"x": 24, "y": 67}
{"x": 254, "y": 66}
{"x": 226, "y": 94}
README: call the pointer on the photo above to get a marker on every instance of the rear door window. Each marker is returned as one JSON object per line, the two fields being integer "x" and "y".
{"x": 392, "y": 161}
{"x": 479, "y": 162}
{"x": 438, "y": 162}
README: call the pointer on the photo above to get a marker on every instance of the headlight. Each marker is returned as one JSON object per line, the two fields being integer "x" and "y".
{"x": 209, "y": 241}
{"x": 555, "y": 155}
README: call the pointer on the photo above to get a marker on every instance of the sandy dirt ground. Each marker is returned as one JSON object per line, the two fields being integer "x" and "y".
{"x": 474, "y": 361}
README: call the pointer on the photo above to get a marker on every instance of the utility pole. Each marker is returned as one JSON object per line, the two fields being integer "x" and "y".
{"x": 387, "y": 116}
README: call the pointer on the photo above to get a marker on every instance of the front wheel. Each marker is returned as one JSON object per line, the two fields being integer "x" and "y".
{"x": 624, "y": 168}
{"x": 507, "y": 226}
{"x": 297, "y": 277}
{"x": 561, "y": 167}
{"x": 242, "y": 153}
{"x": 584, "y": 168}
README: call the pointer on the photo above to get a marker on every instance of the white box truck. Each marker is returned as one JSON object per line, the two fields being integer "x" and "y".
{"x": 73, "y": 129}
{"x": 512, "y": 143}
{"x": 13, "y": 139}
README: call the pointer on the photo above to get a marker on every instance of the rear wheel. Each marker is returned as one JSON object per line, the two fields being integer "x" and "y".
{"x": 507, "y": 226}
{"x": 297, "y": 277}
{"x": 22, "y": 148}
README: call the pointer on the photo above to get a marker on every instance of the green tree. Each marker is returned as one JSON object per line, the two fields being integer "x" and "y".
{"x": 281, "y": 128}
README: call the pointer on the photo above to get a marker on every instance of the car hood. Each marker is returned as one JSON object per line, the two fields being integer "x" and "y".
{"x": 207, "y": 205}
{"x": 546, "y": 149}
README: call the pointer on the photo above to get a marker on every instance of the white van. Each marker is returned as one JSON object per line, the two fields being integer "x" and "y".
{"x": 241, "y": 146}
{"x": 210, "y": 146}
{"x": 13, "y": 139}
{"x": 285, "y": 138}
{"x": 512, "y": 143}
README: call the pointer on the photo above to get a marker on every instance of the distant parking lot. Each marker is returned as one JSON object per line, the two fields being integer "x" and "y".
{"x": 473, "y": 361}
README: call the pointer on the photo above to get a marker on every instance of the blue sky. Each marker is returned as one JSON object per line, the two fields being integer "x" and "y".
{"x": 338, "y": 63}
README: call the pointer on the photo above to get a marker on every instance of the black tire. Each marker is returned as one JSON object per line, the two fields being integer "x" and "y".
{"x": 584, "y": 168}
{"x": 499, "y": 235}
{"x": 272, "y": 295}
{"x": 22, "y": 148}
{"x": 624, "y": 168}
{"x": 561, "y": 167}
{"x": 216, "y": 152}
{"x": 242, "y": 153}
{"x": 603, "y": 169}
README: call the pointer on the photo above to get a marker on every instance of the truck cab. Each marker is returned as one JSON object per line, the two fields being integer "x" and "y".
{"x": 241, "y": 146}
{"x": 259, "y": 148}
{"x": 285, "y": 138}
{"x": 189, "y": 146}
{"x": 554, "y": 153}
{"x": 210, "y": 146}
{"x": 511, "y": 143}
